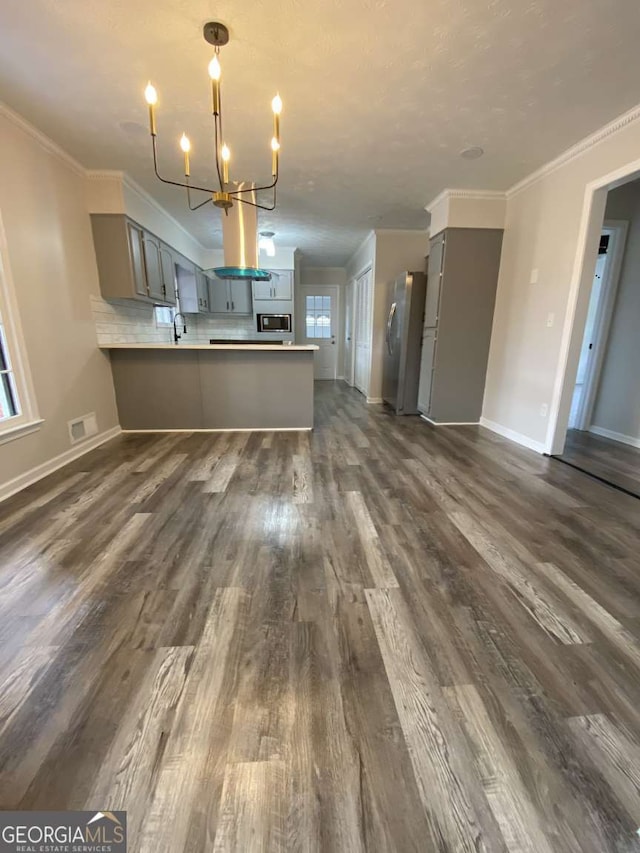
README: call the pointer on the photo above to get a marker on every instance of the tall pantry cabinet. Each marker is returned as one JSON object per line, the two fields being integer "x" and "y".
{"x": 461, "y": 293}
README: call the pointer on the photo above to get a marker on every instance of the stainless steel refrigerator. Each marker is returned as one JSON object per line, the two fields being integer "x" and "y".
{"x": 401, "y": 369}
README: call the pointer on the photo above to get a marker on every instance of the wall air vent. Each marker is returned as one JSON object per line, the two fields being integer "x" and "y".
{"x": 81, "y": 428}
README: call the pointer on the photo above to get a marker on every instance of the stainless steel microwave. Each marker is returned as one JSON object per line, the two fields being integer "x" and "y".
{"x": 274, "y": 323}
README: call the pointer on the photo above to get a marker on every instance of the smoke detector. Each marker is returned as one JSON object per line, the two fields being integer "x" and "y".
{"x": 472, "y": 153}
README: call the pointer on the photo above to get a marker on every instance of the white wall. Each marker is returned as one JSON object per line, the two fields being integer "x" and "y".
{"x": 543, "y": 232}
{"x": 50, "y": 247}
{"x": 617, "y": 407}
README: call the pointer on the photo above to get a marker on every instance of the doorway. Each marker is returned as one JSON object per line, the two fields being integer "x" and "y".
{"x": 596, "y": 331}
{"x": 603, "y": 435}
{"x": 349, "y": 332}
{"x": 363, "y": 331}
{"x": 321, "y": 326}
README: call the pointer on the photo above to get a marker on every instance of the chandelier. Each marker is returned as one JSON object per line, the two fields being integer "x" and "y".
{"x": 224, "y": 196}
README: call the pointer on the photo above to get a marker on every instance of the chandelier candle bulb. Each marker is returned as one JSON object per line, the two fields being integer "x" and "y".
{"x": 226, "y": 156}
{"x": 275, "y": 148}
{"x": 151, "y": 97}
{"x": 186, "y": 147}
{"x": 214, "y": 72}
{"x": 276, "y": 106}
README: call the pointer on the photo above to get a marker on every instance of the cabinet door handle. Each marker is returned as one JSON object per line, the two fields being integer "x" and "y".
{"x": 227, "y": 306}
{"x": 233, "y": 306}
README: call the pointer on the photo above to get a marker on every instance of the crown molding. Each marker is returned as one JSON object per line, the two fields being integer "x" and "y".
{"x": 576, "y": 150}
{"x": 149, "y": 199}
{"x": 44, "y": 141}
{"x": 104, "y": 175}
{"x": 401, "y": 231}
{"x": 130, "y": 184}
{"x": 447, "y": 194}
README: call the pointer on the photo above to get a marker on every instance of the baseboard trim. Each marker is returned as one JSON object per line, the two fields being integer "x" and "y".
{"x": 12, "y": 487}
{"x": 615, "y": 436}
{"x": 372, "y": 400}
{"x": 512, "y": 435}
{"x": 244, "y": 429}
{"x": 448, "y": 423}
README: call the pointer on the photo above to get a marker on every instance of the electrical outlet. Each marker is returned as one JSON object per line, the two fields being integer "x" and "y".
{"x": 544, "y": 410}
{"x": 534, "y": 277}
{"x": 550, "y": 320}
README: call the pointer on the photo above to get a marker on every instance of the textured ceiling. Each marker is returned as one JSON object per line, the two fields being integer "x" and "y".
{"x": 380, "y": 96}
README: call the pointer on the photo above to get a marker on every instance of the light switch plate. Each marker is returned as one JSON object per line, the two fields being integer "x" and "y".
{"x": 550, "y": 319}
{"x": 534, "y": 277}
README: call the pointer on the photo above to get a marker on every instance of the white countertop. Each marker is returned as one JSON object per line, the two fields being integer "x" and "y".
{"x": 255, "y": 347}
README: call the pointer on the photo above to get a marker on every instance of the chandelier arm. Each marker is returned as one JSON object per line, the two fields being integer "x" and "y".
{"x": 261, "y": 206}
{"x": 166, "y": 180}
{"x": 254, "y": 189}
{"x": 197, "y": 206}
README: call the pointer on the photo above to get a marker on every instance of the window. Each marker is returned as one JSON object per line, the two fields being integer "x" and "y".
{"x": 9, "y": 401}
{"x": 318, "y": 316}
{"x": 164, "y": 316}
{"x": 18, "y": 413}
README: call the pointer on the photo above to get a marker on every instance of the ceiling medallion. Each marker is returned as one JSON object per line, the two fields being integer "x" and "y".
{"x": 223, "y": 196}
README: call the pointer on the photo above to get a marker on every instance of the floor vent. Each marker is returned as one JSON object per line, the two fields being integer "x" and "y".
{"x": 82, "y": 428}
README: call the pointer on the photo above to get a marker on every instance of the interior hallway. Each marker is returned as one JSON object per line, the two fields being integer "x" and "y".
{"x": 376, "y": 636}
{"x": 611, "y": 461}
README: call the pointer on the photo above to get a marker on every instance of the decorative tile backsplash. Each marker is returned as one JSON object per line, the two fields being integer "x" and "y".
{"x": 123, "y": 321}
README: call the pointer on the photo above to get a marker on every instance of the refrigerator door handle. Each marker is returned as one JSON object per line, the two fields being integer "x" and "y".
{"x": 392, "y": 314}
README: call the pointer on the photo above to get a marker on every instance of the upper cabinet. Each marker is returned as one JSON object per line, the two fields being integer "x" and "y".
{"x": 280, "y": 286}
{"x": 192, "y": 287}
{"x": 229, "y": 297}
{"x": 132, "y": 264}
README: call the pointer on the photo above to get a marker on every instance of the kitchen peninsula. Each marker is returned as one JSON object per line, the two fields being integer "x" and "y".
{"x": 213, "y": 387}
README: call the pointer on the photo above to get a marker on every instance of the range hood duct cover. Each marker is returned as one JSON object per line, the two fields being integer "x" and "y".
{"x": 240, "y": 241}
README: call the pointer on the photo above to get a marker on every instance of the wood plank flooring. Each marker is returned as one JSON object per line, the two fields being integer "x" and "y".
{"x": 379, "y": 636}
{"x": 611, "y": 461}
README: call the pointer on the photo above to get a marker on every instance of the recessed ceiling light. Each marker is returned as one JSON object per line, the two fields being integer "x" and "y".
{"x": 266, "y": 243}
{"x": 472, "y": 153}
{"x": 133, "y": 128}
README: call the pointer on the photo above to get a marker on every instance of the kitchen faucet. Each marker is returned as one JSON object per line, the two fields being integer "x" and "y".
{"x": 176, "y": 336}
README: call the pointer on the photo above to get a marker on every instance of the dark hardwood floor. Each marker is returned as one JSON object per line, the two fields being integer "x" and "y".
{"x": 612, "y": 461}
{"x": 379, "y": 636}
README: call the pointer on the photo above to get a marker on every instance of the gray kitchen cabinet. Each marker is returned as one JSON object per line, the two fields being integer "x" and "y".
{"x": 151, "y": 249}
{"x": 219, "y": 299}
{"x": 427, "y": 364}
{"x": 432, "y": 302}
{"x": 461, "y": 292}
{"x": 229, "y": 297}
{"x": 192, "y": 287}
{"x": 240, "y": 296}
{"x": 159, "y": 265}
{"x": 129, "y": 261}
{"x": 168, "y": 271}
{"x": 202, "y": 291}
{"x": 138, "y": 272}
{"x": 280, "y": 286}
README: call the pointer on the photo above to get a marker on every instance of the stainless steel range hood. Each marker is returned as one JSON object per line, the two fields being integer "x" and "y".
{"x": 240, "y": 241}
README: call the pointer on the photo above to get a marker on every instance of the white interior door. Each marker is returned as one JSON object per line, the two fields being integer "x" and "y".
{"x": 601, "y": 301}
{"x": 320, "y": 328}
{"x": 349, "y": 331}
{"x": 363, "y": 331}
